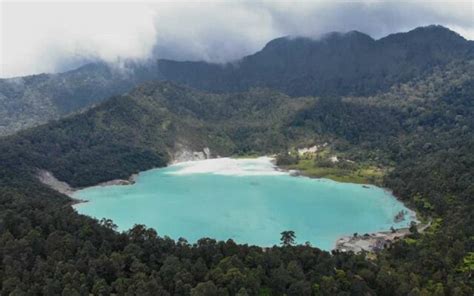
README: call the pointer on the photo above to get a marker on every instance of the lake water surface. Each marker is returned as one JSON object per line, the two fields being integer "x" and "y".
{"x": 243, "y": 199}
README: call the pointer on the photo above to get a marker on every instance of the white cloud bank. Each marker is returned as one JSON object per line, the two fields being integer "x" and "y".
{"x": 50, "y": 37}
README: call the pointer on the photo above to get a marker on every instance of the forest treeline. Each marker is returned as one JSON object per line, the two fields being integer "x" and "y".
{"x": 423, "y": 128}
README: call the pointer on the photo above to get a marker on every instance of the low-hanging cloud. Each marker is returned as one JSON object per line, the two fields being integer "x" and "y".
{"x": 52, "y": 37}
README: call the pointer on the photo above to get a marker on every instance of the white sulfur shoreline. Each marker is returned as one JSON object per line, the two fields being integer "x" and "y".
{"x": 228, "y": 166}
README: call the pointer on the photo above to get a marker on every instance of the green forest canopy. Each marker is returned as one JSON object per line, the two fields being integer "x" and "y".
{"x": 424, "y": 128}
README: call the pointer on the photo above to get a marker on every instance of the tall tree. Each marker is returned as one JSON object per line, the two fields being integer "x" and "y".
{"x": 288, "y": 238}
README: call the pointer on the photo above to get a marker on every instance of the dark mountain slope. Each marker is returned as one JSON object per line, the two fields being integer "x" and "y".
{"x": 337, "y": 64}
{"x": 32, "y": 100}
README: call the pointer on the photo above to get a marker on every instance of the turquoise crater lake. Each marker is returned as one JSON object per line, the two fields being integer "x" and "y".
{"x": 246, "y": 200}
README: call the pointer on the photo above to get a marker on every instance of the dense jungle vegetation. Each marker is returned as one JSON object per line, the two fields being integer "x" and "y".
{"x": 423, "y": 128}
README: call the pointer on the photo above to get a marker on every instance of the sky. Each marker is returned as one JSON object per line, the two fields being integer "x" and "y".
{"x": 38, "y": 37}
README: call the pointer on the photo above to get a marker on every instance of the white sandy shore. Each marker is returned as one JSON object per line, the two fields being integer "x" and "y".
{"x": 228, "y": 166}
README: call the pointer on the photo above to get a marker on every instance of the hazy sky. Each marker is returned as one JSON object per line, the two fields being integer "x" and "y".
{"x": 41, "y": 37}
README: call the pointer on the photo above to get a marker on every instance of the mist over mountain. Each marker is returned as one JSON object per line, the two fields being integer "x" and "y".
{"x": 344, "y": 64}
{"x": 337, "y": 64}
{"x": 219, "y": 31}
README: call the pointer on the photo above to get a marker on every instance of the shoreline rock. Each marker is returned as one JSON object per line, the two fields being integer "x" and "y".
{"x": 51, "y": 181}
{"x": 375, "y": 242}
{"x": 48, "y": 179}
{"x": 183, "y": 154}
{"x": 130, "y": 181}
{"x": 369, "y": 242}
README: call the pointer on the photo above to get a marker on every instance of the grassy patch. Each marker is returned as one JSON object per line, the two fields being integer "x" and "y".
{"x": 435, "y": 226}
{"x": 410, "y": 241}
{"x": 353, "y": 173}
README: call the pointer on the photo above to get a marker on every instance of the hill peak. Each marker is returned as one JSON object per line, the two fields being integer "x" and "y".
{"x": 431, "y": 33}
{"x": 337, "y": 37}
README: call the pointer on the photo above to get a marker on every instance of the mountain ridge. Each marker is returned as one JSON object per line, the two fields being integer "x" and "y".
{"x": 338, "y": 64}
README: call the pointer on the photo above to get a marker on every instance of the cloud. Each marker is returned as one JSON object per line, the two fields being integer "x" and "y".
{"x": 38, "y": 37}
{"x": 50, "y": 37}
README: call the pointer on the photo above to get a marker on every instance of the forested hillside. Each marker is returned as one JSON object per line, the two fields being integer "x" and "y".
{"x": 423, "y": 128}
{"x": 144, "y": 128}
{"x": 32, "y": 100}
{"x": 335, "y": 64}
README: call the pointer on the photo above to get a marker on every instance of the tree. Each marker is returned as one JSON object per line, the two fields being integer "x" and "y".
{"x": 413, "y": 228}
{"x": 242, "y": 292}
{"x": 288, "y": 238}
{"x": 108, "y": 223}
{"x": 206, "y": 288}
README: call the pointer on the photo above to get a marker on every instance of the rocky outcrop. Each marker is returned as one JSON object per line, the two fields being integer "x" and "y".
{"x": 186, "y": 154}
{"x": 310, "y": 150}
{"x": 50, "y": 180}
